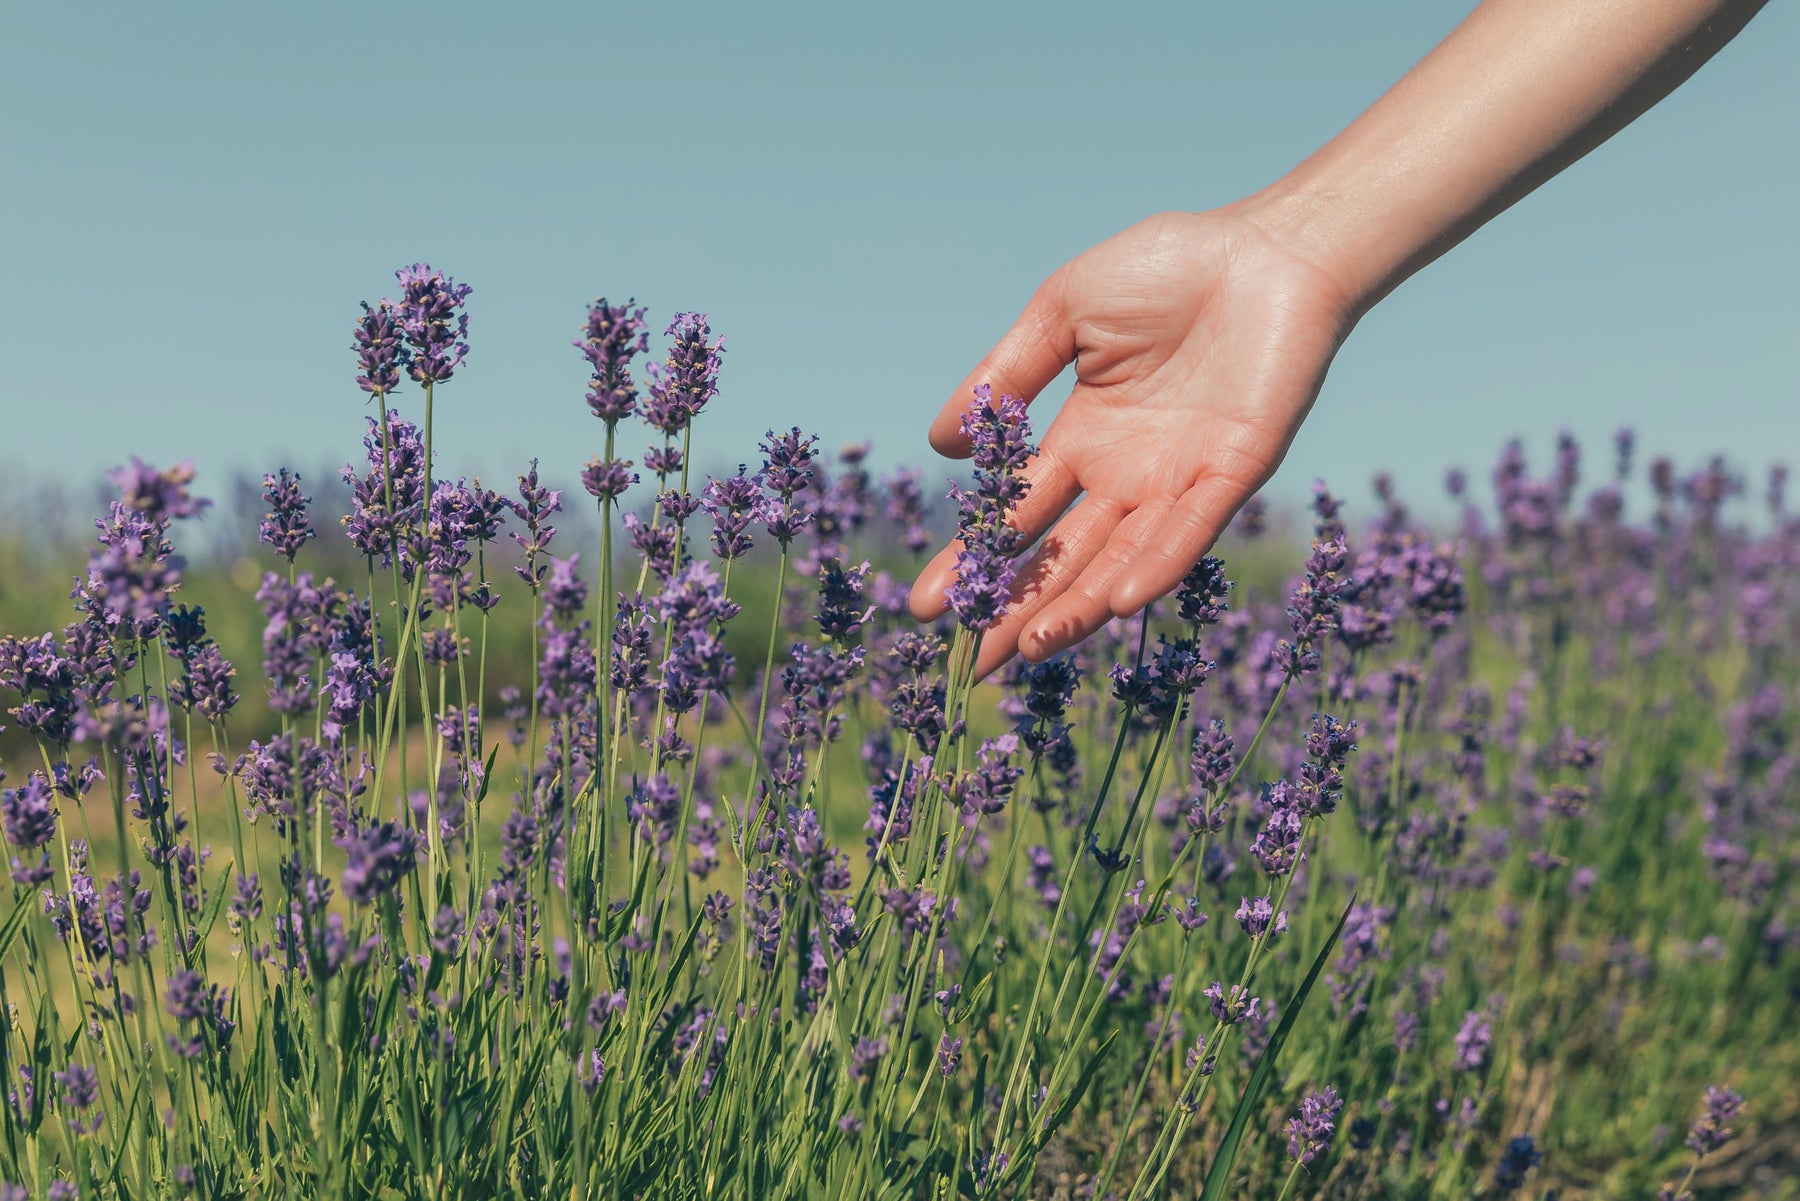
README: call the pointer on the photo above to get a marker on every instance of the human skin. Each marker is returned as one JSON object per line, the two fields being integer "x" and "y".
{"x": 1200, "y": 340}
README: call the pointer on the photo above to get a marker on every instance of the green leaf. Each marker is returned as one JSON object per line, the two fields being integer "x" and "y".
{"x": 211, "y": 916}
{"x": 1220, "y": 1171}
{"x": 15, "y": 921}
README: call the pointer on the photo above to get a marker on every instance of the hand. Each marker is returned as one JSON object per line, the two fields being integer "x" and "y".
{"x": 1199, "y": 343}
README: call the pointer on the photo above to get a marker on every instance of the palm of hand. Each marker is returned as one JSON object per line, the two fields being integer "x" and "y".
{"x": 1199, "y": 345}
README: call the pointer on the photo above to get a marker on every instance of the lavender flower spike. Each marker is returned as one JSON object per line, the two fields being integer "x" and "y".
{"x": 1310, "y": 1132}
{"x": 688, "y": 378}
{"x": 284, "y": 526}
{"x": 378, "y": 348}
{"x": 1713, "y": 1129}
{"x": 999, "y": 433}
{"x": 614, "y": 336}
{"x": 430, "y": 314}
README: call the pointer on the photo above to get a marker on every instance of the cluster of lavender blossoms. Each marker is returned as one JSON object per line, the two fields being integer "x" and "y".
{"x": 650, "y": 848}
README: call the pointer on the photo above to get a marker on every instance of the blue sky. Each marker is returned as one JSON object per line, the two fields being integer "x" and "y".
{"x": 197, "y": 196}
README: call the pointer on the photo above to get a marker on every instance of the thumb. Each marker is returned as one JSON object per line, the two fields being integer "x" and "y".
{"x": 1022, "y": 364}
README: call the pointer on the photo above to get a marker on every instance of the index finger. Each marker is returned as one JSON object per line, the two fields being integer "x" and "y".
{"x": 1023, "y": 363}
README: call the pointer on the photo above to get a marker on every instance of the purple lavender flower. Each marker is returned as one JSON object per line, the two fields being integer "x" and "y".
{"x": 865, "y": 1054}
{"x": 1200, "y": 597}
{"x": 607, "y": 479}
{"x": 162, "y": 496}
{"x": 999, "y": 434}
{"x": 985, "y": 1163}
{"x": 906, "y": 508}
{"x": 387, "y": 502}
{"x": 81, "y": 1092}
{"x": 987, "y": 787}
{"x": 1435, "y": 587}
{"x": 534, "y": 507}
{"x": 431, "y": 316}
{"x": 1277, "y": 845}
{"x": 1231, "y": 1006}
{"x": 1259, "y": 919}
{"x": 1472, "y": 1042}
{"x": 735, "y": 503}
{"x": 687, "y": 379}
{"x": 788, "y": 459}
{"x": 205, "y": 683}
{"x": 130, "y": 580}
{"x": 1311, "y": 1131}
{"x": 841, "y": 610}
{"x": 377, "y": 858}
{"x": 1312, "y": 610}
{"x": 631, "y": 637}
{"x": 379, "y": 351}
{"x": 949, "y": 1055}
{"x": 29, "y": 812}
{"x": 349, "y": 686}
{"x": 614, "y": 336}
{"x": 1213, "y": 758}
{"x": 983, "y": 586}
{"x": 284, "y": 527}
{"x": 694, "y": 600}
{"x": 565, "y": 591}
{"x": 1712, "y": 1129}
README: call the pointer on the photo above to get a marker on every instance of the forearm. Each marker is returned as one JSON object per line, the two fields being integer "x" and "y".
{"x": 1517, "y": 92}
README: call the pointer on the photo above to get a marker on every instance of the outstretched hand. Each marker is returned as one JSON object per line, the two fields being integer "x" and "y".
{"x": 1199, "y": 343}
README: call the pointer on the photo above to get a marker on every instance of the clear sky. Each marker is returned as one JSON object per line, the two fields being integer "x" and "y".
{"x": 862, "y": 196}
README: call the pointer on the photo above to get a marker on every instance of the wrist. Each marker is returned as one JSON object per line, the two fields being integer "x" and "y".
{"x": 1367, "y": 250}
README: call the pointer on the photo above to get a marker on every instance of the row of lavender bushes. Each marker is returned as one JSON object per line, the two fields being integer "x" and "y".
{"x": 1455, "y": 868}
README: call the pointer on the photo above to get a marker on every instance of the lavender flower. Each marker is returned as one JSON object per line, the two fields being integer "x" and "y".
{"x": 1310, "y": 1132}
{"x": 788, "y": 458}
{"x": 999, "y": 434}
{"x": 688, "y": 378}
{"x": 949, "y": 1055}
{"x": 81, "y": 1092}
{"x": 614, "y": 336}
{"x": 1200, "y": 597}
{"x": 431, "y": 316}
{"x": 379, "y": 351}
{"x": 1259, "y": 919}
{"x": 284, "y": 527}
{"x": 1712, "y": 1129}
{"x": 378, "y": 857}
{"x": 607, "y": 479}
{"x": 1231, "y": 1006}
{"x": 388, "y": 500}
{"x": 841, "y": 611}
{"x": 1472, "y": 1042}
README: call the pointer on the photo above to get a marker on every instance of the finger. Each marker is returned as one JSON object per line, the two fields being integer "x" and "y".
{"x": 1085, "y": 605}
{"x": 1058, "y": 561}
{"x": 1031, "y": 354}
{"x": 927, "y": 601}
{"x": 1187, "y": 532}
{"x": 1050, "y": 487}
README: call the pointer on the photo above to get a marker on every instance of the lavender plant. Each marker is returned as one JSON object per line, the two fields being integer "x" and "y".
{"x": 726, "y": 879}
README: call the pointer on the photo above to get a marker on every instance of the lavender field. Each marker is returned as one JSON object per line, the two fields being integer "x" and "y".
{"x": 628, "y": 839}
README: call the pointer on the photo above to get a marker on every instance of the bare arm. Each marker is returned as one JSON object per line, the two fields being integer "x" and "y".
{"x": 1200, "y": 340}
{"x": 1518, "y": 91}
